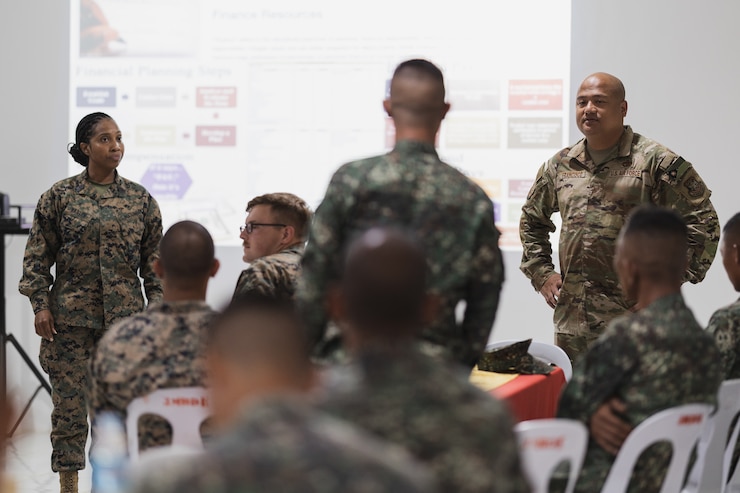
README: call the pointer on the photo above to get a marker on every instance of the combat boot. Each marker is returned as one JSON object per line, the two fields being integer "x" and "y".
{"x": 68, "y": 481}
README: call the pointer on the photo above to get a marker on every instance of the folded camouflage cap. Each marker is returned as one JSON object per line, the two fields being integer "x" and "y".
{"x": 514, "y": 358}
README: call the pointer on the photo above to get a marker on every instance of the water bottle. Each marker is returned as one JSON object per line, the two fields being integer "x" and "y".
{"x": 108, "y": 454}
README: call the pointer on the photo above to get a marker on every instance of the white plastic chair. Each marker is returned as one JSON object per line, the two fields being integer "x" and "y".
{"x": 680, "y": 426}
{"x": 185, "y": 408}
{"x": 549, "y": 353}
{"x": 733, "y": 485}
{"x": 545, "y": 443}
{"x": 708, "y": 475}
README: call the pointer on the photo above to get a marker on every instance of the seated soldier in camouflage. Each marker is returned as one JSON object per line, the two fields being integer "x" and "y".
{"x": 273, "y": 238}
{"x": 397, "y": 392}
{"x": 269, "y": 440}
{"x": 725, "y": 322}
{"x": 647, "y": 361}
{"x": 162, "y": 346}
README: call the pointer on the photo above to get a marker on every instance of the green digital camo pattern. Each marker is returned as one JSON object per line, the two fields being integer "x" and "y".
{"x": 100, "y": 243}
{"x": 461, "y": 433}
{"x": 285, "y": 447}
{"x": 725, "y": 326}
{"x": 162, "y": 347}
{"x": 411, "y": 188}
{"x": 654, "y": 359}
{"x": 64, "y": 360}
{"x": 273, "y": 275}
{"x": 593, "y": 202}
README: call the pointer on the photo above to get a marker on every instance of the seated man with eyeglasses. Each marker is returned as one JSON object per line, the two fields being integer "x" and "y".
{"x": 273, "y": 238}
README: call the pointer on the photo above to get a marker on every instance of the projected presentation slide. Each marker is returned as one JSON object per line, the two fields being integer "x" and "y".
{"x": 223, "y": 100}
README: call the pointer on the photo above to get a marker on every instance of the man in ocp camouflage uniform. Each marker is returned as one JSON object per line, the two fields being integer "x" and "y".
{"x": 411, "y": 188}
{"x": 656, "y": 358}
{"x": 272, "y": 239}
{"x": 396, "y": 392}
{"x": 269, "y": 439}
{"x": 164, "y": 346}
{"x": 594, "y": 185}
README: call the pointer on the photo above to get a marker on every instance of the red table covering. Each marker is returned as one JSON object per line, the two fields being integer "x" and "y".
{"x": 532, "y": 396}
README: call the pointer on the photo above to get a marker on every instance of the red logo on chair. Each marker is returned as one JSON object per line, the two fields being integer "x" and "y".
{"x": 690, "y": 419}
{"x": 186, "y": 401}
{"x": 545, "y": 442}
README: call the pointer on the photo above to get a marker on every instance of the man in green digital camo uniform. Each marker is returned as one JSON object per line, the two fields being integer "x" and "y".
{"x": 656, "y": 358}
{"x": 725, "y": 322}
{"x": 411, "y": 188}
{"x": 594, "y": 185}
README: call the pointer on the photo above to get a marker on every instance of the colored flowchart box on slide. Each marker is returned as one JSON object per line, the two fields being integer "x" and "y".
{"x": 215, "y": 97}
{"x": 212, "y": 135}
{"x": 100, "y": 97}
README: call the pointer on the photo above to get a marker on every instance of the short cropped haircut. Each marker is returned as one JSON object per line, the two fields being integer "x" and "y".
{"x": 186, "y": 251}
{"x": 288, "y": 208}
{"x": 654, "y": 220}
{"x": 732, "y": 227}
{"x": 258, "y": 329}
{"x": 423, "y": 66}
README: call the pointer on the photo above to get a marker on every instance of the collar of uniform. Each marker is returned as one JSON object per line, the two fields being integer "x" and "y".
{"x": 665, "y": 303}
{"x": 182, "y": 306}
{"x": 578, "y": 151}
{"x": 414, "y": 146}
{"x": 85, "y": 187}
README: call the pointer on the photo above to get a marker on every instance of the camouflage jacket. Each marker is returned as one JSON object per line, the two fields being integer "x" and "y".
{"x": 273, "y": 275}
{"x": 654, "y": 359}
{"x": 410, "y": 188}
{"x": 461, "y": 433}
{"x": 161, "y": 347}
{"x": 725, "y": 326}
{"x": 593, "y": 202}
{"x": 282, "y": 446}
{"x": 101, "y": 243}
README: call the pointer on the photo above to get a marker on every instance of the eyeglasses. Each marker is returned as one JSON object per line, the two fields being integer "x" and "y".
{"x": 249, "y": 227}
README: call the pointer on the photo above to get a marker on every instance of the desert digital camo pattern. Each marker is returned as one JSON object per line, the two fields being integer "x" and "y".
{"x": 408, "y": 398}
{"x": 412, "y": 189}
{"x": 101, "y": 243}
{"x": 654, "y": 359}
{"x": 100, "y": 239}
{"x": 273, "y": 276}
{"x": 282, "y": 446}
{"x": 593, "y": 202}
{"x": 163, "y": 347}
{"x": 725, "y": 327}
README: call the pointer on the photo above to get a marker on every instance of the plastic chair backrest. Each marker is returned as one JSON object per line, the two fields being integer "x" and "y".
{"x": 545, "y": 443}
{"x": 733, "y": 485}
{"x": 680, "y": 426}
{"x": 550, "y": 353}
{"x": 708, "y": 475}
{"x": 185, "y": 408}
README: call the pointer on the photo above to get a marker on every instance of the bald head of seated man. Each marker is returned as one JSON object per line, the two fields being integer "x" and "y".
{"x": 186, "y": 261}
{"x": 394, "y": 390}
{"x": 269, "y": 438}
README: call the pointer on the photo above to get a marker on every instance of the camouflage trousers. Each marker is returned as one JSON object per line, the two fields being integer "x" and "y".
{"x": 66, "y": 360}
{"x": 573, "y": 345}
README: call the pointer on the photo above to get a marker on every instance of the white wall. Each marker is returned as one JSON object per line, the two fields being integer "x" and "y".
{"x": 676, "y": 58}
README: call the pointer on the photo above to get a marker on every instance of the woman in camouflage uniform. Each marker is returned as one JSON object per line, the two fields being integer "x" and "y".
{"x": 102, "y": 233}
